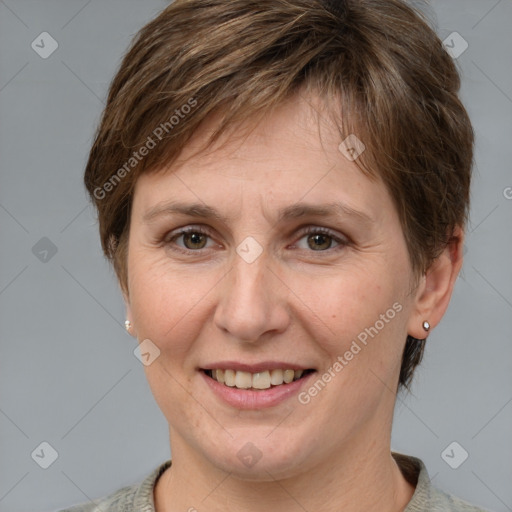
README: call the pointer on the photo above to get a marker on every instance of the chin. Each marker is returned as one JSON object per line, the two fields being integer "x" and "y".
{"x": 254, "y": 455}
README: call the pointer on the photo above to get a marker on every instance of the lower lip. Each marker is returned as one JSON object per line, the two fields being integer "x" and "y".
{"x": 249, "y": 399}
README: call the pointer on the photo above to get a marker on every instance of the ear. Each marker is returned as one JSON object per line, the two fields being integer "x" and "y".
{"x": 128, "y": 312}
{"x": 436, "y": 286}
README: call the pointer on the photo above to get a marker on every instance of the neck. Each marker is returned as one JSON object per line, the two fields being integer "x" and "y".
{"x": 353, "y": 481}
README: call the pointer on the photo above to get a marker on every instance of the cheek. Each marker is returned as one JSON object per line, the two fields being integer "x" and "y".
{"x": 348, "y": 303}
{"x": 165, "y": 303}
{"x": 364, "y": 331}
{"x": 361, "y": 328}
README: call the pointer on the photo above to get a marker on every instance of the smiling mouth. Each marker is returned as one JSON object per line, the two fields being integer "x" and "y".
{"x": 256, "y": 381}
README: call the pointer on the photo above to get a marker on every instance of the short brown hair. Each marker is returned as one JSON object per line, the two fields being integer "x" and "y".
{"x": 377, "y": 62}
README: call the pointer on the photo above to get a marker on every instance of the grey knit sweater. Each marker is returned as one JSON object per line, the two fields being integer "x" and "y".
{"x": 426, "y": 498}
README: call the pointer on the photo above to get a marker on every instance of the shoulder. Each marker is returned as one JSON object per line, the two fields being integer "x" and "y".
{"x": 442, "y": 501}
{"x": 426, "y": 497}
{"x": 133, "y": 498}
{"x": 116, "y": 501}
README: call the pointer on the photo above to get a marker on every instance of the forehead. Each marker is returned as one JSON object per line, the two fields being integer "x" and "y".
{"x": 291, "y": 155}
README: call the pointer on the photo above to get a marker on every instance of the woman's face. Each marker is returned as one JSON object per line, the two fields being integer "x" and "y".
{"x": 294, "y": 260}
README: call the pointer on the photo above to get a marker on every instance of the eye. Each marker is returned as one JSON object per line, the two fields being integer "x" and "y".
{"x": 193, "y": 238}
{"x": 321, "y": 239}
{"x": 196, "y": 240}
{"x": 316, "y": 239}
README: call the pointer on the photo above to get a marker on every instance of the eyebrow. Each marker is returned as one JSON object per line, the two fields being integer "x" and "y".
{"x": 294, "y": 211}
{"x": 299, "y": 210}
{"x": 189, "y": 209}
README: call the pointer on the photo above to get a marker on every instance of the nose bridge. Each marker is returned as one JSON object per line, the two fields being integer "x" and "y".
{"x": 249, "y": 280}
{"x": 251, "y": 303}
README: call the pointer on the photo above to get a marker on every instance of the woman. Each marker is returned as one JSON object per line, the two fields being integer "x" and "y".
{"x": 282, "y": 188}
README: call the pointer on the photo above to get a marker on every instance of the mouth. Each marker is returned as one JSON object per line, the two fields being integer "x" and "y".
{"x": 259, "y": 381}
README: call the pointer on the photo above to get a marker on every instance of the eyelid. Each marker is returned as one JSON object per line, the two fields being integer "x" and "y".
{"x": 191, "y": 228}
{"x": 341, "y": 240}
{"x": 177, "y": 233}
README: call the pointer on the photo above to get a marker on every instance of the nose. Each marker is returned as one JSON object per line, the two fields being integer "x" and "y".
{"x": 252, "y": 301}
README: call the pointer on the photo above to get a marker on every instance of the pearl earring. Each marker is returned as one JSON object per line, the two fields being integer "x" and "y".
{"x": 426, "y": 326}
{"x": 127, "y": 325}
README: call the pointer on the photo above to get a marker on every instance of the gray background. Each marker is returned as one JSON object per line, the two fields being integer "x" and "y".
{"x": 68, "y": 375}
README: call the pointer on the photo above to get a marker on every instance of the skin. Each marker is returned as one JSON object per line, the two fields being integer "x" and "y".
{"x": 294, "y": 303}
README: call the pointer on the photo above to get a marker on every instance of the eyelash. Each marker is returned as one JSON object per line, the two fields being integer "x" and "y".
{"x": 316, "y": 230}
{"x": 342, "y": 242}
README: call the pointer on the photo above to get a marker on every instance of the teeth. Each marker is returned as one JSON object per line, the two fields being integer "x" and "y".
{"x": 288, "y": 376}
{"x": 276, "y": 377}
{"x": 219, "y": 376}
{"x": 260, "y": 380}
{"x": 229, "y": 378}
{"x": 243, "y": 380}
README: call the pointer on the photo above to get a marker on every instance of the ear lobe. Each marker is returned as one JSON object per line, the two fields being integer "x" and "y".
{"x": 436, "y": 286}
{"x": 128, "y": 320}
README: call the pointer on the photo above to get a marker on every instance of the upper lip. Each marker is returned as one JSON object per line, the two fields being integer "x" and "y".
{"x": 254, "y": 368}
